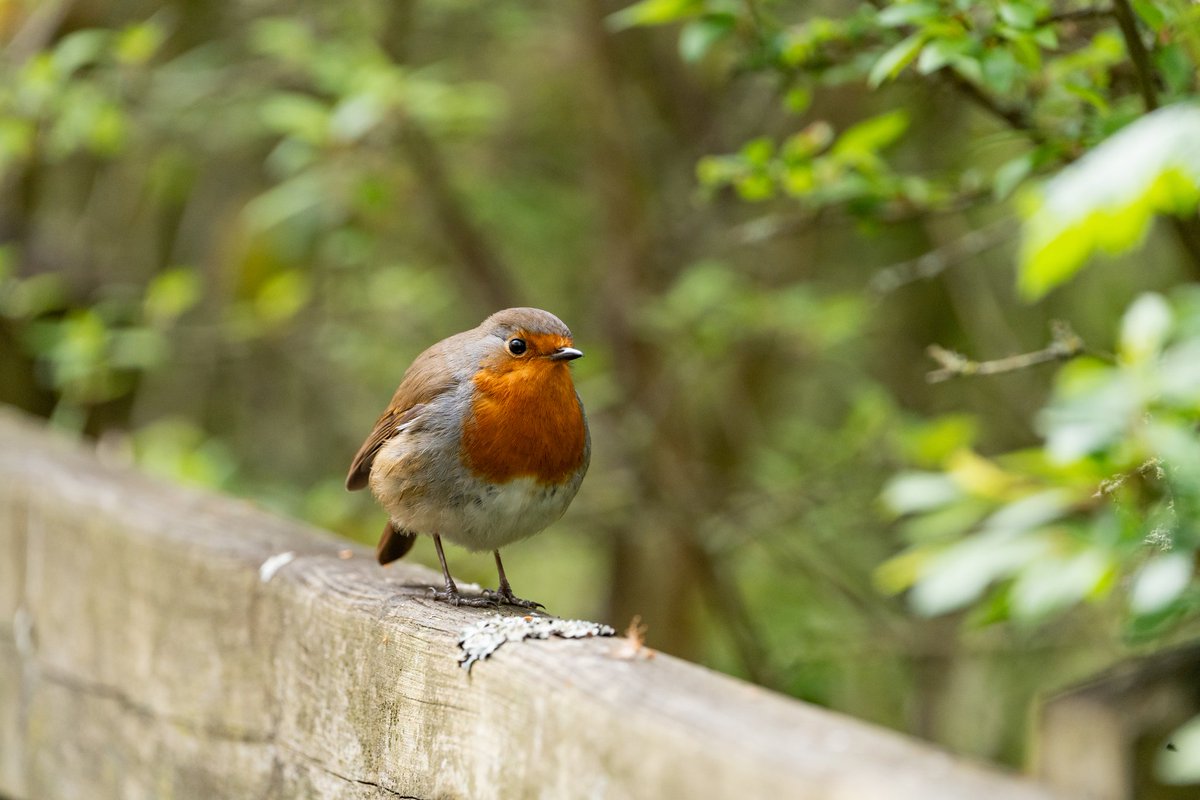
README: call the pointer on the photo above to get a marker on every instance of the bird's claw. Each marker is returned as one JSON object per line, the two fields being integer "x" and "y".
{"x": 506, "y": 597}
{"x": 452, "y": 597}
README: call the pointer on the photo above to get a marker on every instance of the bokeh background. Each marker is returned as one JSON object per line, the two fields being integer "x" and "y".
{"x": 226, "y": 229}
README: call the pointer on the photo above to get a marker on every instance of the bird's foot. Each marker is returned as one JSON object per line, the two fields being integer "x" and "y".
{"x": 451, "y": 596}
{"x": 504, "y": 596}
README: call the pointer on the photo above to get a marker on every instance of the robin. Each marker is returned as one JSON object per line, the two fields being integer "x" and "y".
{"x": 485, "y": 442}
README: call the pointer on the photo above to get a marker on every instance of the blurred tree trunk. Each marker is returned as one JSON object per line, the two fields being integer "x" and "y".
{"x": 651, "y": 571}
{"x": 660, "y": 566}
{"x": 489, "y": 280}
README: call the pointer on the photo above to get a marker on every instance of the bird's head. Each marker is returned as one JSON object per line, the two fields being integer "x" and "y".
{"x": 526, "y": 343}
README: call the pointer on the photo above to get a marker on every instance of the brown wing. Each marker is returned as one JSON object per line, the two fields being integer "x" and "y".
{"x": 429, "y": 376}
{"x": 387, "y": 426}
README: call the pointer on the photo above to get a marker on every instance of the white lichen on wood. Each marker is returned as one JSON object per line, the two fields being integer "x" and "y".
{"x": 480, "y": 640}
{"x": 274, "y": 564}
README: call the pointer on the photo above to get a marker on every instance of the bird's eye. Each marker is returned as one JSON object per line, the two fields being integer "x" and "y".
{"x": 516, "y": 346}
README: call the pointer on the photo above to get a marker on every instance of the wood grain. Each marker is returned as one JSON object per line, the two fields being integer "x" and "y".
{"x": 141, "y": 656}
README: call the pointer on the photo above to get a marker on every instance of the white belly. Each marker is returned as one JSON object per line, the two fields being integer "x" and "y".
{"x": 482, "y": 516}
{"x": 500, "y": 515}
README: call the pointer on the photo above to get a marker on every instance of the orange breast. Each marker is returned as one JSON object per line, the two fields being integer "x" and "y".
{"x": 525, "y": 421}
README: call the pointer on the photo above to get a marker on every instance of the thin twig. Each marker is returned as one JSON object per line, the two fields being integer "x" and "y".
{"x": 1076, "y": 15}
{"x": 1064, "y": 344}
{"x": 755, "y": 14}
{"x": 37, "y": 32}
{"x": 936, "y": 261}
{"x": 1149, "y": 466}
{"x": 1013, "y": 116}
{"x": 1137, "y": 52}
{"x": 764, "y": 229}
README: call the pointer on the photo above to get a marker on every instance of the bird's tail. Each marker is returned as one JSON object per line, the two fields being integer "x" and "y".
{"x": 394, "y": 543}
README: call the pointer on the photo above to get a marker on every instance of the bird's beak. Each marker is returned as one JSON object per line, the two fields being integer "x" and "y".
{"x": 565, "y": 354}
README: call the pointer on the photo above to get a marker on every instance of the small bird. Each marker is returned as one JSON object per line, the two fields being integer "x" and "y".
{"x": 485, "y": 442}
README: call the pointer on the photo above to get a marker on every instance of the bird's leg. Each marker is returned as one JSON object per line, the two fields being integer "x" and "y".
{"x": 450, "y": 593}
{"x": 505, "y": 593}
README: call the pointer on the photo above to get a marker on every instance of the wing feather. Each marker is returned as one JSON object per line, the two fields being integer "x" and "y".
{"x": 430, "y": 376}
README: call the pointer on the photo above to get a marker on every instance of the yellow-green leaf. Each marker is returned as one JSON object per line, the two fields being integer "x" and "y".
{"x": 896, "y": 59}
{"x": 1106, "y": 201}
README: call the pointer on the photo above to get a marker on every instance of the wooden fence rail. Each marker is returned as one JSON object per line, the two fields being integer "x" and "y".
{"x": 145, "y": 652}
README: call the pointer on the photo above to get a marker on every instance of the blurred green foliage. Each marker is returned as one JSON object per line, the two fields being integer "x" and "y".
{"x": 225, "y": 231}
{"x": 1109, "y": 499}
{"x": 1106, "y": 202}
{"x": 1056, "y": 525}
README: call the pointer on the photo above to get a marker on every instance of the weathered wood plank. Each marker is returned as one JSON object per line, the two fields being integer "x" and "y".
{"x": 12, "y": 746}
{"x": 161, "y": 665}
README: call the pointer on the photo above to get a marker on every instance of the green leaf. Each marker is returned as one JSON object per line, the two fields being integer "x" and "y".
{"x": 16, "y": 140}
{"x": 1178, "y": 447}
{"x": 1180, "y": 373}
{"x": 755, "y": 187}
{"x": 798, "y": 99}
{"x": 896, "y": 59}
{"x": 36, "y": 295}
{"x": 758, "y": 152}
{"x": 282, "y": 37}
{"x": 1019, "y": 15}
{"x": 896, "y": 15}
{"x": 931, "y": 442}
{"x": 1030, "y": 512}
{"x": 1000, "y": 70}
{"x": 1144, "y": 328}
{"x": 654, "y": 12}
{"x": 902, "y": 571}
{"x": 714, "y": 171}
{"x": 968, "y": 68}
{"x": 1088, "y": 95}
{"x": 1175, "y": 66}
{"x": 946, "y": 523}
{"x": 1010, "y": 175}
{"x": 868, "y": 137}
{"x": 137, "y": 44}
{"x": 1159, "y": 582}
{"x": 1106, "y": 201}
{"x": 171, "y": 293}
{"x": 960, "y": 574}
{"x": 282, "y": 296}
{"x": 1151, "y": 13}
{"x": 698, "y": 36}
{"x": 941, "y": 52}
{"x": 910, "y": 492}
{"x": 1046, "y": 37}
{"x": 799, "y": 148}
{"x": 293, "y": 197}
{"x": 138, "y": 348}
{"x": 1092, "y": 406}
{"x": 299, "y": 115}
{"x": 1053, "y": 584}
{"x": 351, "y": 119}
{"x": 80, "y": 49}
{"x": 108, "y": 131}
